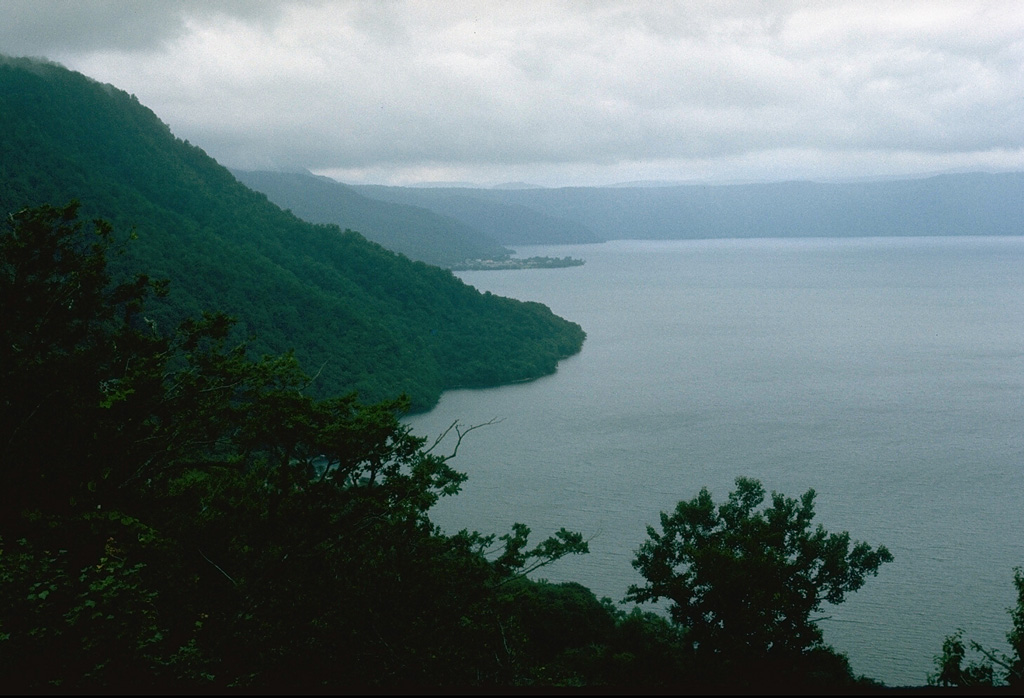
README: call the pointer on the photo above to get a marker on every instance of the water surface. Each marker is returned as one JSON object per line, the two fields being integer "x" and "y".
{"x": 885, "y": 373}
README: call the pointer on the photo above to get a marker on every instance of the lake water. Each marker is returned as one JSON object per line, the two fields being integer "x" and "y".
{"x": 885, "y": 373}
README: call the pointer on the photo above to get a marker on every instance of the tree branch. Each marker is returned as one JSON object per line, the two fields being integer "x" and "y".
{"x": 460, "y": 435}
{"x": 217, "y": 567}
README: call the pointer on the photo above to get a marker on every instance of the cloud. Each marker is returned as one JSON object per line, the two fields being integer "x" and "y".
{"x": 412, "y": 88}
{"x": 47, "y": 27}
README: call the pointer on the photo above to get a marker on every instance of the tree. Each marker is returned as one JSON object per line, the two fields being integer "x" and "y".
{"x": 197, "y": 521}
{"x": 992, "y": 668}
{"x": 67, "y": 337}
{"x": 745, "y": 583}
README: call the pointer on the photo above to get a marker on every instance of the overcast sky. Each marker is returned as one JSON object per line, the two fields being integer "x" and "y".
{"x": 559, "y": 93}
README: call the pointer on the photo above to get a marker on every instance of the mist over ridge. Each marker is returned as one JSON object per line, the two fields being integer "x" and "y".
{"x": 949, "y": 204}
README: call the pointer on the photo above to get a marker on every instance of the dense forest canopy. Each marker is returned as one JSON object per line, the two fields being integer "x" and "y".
{"x": 357, "y": 316}
{"x": 198, "y": 520}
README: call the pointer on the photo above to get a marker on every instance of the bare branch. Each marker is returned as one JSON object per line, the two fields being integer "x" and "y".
{"x": 217, "y": 567}
{"x": 315, "y": 375}
{"x": 460, "y": 435}
{"x": 442, "y": 436}
{"x": 991, "y": 656}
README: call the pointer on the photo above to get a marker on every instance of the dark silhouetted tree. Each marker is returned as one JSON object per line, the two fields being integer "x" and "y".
{"x": 745, "y": 584}
{"x": 175, "y": 514}
{"x": 986, "y": 667}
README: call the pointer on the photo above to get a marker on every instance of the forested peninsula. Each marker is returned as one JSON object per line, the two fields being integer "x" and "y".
{"x": 357, "y": 316}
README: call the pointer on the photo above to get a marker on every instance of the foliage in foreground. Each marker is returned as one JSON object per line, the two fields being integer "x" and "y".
{"x": 176, "y": 515}
{"x": 985, "y": 667}
{"x": 746, "y": 582}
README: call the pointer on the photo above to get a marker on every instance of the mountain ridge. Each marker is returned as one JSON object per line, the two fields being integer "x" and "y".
{"x": 359, "y": 316}
{"x": 971, "y": 203}
{"x": 416, "y": 232}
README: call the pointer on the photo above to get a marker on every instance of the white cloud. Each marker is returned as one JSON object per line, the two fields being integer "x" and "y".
{"x": 603, "y": 91}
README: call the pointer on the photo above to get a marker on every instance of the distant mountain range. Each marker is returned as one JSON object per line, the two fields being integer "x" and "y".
{"x": 466, "y": 219}
{"x": 948, "y": 204}
{"x": 510, "y": 216}
{"x": 358, "y": 316}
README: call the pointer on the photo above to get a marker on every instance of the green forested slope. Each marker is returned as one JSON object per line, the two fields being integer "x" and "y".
{"x": 357, "y": 315}
{"x": 411, "y": 230}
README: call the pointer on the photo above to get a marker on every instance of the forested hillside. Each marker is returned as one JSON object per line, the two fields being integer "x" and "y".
{"x": 416, "y": 232}
{"x": 358, "y": 316}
